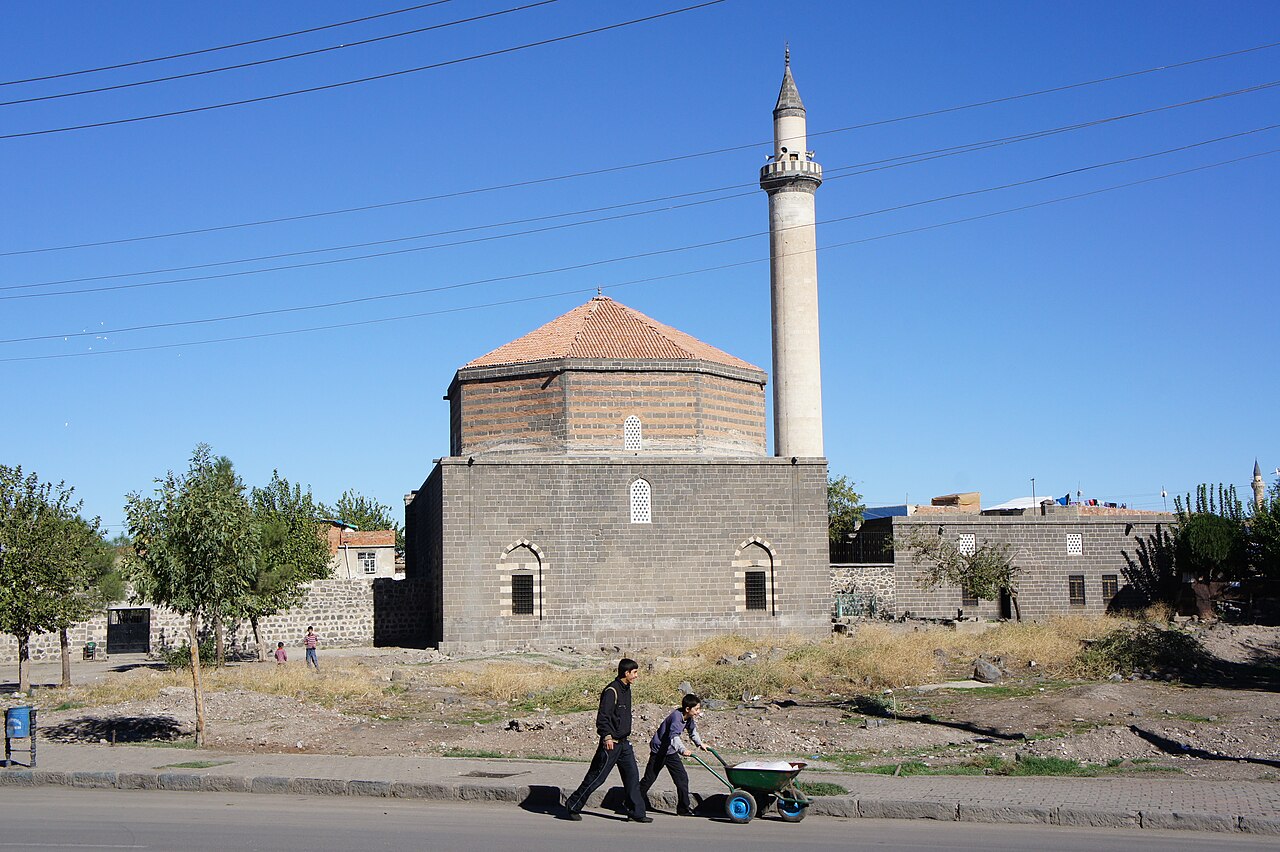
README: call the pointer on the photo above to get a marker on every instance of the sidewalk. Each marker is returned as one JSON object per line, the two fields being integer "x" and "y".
{"x": 1252, "y": 807}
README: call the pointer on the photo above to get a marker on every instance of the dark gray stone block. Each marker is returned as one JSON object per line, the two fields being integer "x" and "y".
{"x": 891, "y": 809}
{"x": 93, "y": 779}
{"x": 179, "y": 781}
{"x": 269, "y": 784}
{"x": 318, "y": 786}
{"x": 1084, "y": 817}
{"x": 1260, "y": 825}
{"x": 1006, "y": 813}
{"x": 225, "y": 784}
{"x": 1187, "y": 821}
{"x": 836, "y": 806}
{"x": 369, "y": 788}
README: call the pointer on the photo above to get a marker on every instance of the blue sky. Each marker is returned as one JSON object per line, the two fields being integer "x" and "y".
{"x": 1116, "y": 344}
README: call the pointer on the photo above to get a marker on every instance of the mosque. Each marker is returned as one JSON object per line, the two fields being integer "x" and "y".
{"x": 608, "y": 480}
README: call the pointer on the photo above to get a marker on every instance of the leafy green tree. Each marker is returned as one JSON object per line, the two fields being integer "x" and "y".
{"x": 46, "y": 564}
{"x": 194, "y": 547}
{"x": 844, "y": 508}
{"x": 363, "y": 513}
{"x": 1264, "y": 540}
{"x": 986, "y": 573}
{"x": 87, "y": 580}
{"x": 292, "y": 551}
{"x": 1210, "y": 542}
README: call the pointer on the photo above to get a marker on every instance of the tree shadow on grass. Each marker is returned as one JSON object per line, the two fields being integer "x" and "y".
{"x": 117, "y": 729}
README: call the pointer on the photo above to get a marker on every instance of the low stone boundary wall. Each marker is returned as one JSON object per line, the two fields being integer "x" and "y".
{"x": 344, "y": 612}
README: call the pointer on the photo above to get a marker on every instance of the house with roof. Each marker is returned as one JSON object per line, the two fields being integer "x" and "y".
{"x": 356, "y": 554}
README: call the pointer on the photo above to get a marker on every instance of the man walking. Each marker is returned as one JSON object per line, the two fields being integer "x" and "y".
{"x": 613, "y": 724}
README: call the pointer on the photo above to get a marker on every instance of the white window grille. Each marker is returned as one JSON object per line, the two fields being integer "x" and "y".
{"x": 631, "y": 433}
{"x": 1075, "y": 544}
{"x": 368, "y": 560}
{"x": 967, "y": 544}
{"x": 641, "y": 506}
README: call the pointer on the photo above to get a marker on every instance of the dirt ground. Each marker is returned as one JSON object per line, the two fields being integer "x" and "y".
{"x": 1220, "y": 721}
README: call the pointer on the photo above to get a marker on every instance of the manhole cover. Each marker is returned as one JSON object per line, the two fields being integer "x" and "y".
{"x": 480, "y": 774}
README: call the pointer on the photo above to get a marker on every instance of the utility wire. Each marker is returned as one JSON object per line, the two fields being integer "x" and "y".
{"x": 720, "y": 267}
{"x": 590, "y": 264}
{"x": 385, "y": 76}
{"x": 204, "y": 50}
{"x": 271, "y": 59}
{"x": 830, "y": 175}
{"x": 626, "y": 167}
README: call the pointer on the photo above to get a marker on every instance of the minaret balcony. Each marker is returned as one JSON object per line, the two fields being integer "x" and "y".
{"x": 781, "y": 172}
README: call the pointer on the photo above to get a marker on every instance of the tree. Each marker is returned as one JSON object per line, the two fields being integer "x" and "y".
{"x": 87, "y": 582}
{"x": 292, "y": 551}
{"x": 194, "y": 546}
{"x": 986, "y": 573}
{"x": 47, "y": 564}
{"x": 363, "y": 513}
{"x": 1210, "y": 543}
{"x": 1264, "y": 540}
{"x": 844, "y": 508}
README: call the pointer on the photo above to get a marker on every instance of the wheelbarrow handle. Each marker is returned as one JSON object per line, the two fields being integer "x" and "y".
{"x": 707, "y": 767}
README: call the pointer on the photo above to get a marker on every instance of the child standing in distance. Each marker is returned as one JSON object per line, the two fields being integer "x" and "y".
{"x": 667, "y": 747}
{"x": 311, "y": 642}
{"x": 282, "y": 656}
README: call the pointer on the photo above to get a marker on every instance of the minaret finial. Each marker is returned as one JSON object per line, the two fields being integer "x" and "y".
{"x": 599, "y": 291}
{"x": 787, "y": 53}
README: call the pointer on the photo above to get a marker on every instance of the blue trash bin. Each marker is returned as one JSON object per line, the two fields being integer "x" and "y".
{"x": 17, "y": 722}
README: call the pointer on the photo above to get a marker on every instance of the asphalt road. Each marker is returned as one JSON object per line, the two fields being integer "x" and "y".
{"x": 47, "y": 818}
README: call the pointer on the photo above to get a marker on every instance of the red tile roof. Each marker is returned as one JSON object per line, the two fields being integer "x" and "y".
{"x": 358, "y": 538}
{"x": 605, "y": 329}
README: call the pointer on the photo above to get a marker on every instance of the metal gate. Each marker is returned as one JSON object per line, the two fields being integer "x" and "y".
{"x": 128, "y": 631}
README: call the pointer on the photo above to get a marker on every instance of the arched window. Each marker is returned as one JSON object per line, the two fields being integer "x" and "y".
{"x": 631, "y": 433}
{"x": 753, "y": 568}
{"x": 520, "y": 589}
{"x": 641, "y": 503}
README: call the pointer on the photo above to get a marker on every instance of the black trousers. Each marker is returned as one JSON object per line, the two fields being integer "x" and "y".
{"x": 601, "y": 764}
{"x": 675, "y": 766}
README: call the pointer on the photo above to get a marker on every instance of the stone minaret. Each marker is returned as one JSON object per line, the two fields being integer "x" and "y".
{"x": 1259, "y": 487}
{"x": 791, "y": 177}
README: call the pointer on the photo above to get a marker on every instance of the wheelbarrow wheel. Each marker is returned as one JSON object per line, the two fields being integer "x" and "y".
{"x": 791, "y": 810}
{"x": 740, "y": 806}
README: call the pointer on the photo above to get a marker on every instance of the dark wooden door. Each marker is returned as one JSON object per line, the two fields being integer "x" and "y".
{"x": 129, "y": 631}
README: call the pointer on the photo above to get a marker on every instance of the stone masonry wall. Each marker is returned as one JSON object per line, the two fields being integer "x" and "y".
{"x": 602, "y": 579}
{"x": 868, "y": 582}
{"x": 344, "y": 612}
{"x": 1040, "y": 546}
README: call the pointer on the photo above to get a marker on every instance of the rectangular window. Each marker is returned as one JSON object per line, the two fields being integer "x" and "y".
{"x": 968, "y": 598}
{"x": 1075, "y": 586}
{"x": 522, "y": 594}
{"x": 1075, "y": 544}
{"x": 1110, "y": 585}
{"x": 967, "y": 544}
{"x": 368, "y": 560}
{"x": 757, "y": 597}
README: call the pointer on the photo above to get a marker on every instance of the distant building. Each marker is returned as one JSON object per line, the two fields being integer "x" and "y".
{"x": 360, "y": 554}
{"x": 1072, "y": 558}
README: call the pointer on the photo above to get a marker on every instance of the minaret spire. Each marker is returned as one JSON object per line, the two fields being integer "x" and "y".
{"x": 1259, "y": 486}
{"x": 790, "y": 178}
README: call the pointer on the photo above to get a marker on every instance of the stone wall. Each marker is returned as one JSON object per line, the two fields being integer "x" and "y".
{"x": 344, "y": 612}
{"x": 869, "y": 583}
{"x": 600, "y": 578}
{"x": 1039, "y": 545}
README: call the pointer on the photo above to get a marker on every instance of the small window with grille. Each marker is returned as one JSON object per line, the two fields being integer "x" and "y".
{"x": 522, "y": 594}
{"x": 1075, "y": 587}
{"x": 967, "y": 597}
{"x": 631, "y": 433}
{"x": 1075, "y": 544}
{"x": 1110, "y": 585}
{"x": 641, "y": 503}
{"x": 967, "y": 544}
{"x": 368, "y": 560}
{"x": 757, "y": 595}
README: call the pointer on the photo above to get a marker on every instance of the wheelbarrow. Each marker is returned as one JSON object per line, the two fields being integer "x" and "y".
{"x": 752, "y": 791}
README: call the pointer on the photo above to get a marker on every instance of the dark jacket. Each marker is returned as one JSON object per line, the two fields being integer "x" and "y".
{"x": 614, "y": 716}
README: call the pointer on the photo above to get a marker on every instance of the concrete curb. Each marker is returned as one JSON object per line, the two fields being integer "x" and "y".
{"x": 549, "y": 796}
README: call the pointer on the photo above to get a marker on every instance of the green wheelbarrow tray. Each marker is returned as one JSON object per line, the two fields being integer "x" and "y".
{"x": 765, "y": 785}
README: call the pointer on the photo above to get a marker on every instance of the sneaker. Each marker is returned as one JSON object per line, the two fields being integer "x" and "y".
{"x": 684, "y": 812}
{"x": 572, "y": 816}
{"x": 639, "y": 819}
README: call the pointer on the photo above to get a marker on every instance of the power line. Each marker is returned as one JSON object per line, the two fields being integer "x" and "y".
{"x": 271, "y": 59}
{"x": 831, "y": 174}
{"x": 591, "y": 264}
{"x": 720, "y": 267}
{"x": 264, "y": 39}
{"x": 629, "y": 166}
{"x": 385, "y": 76}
